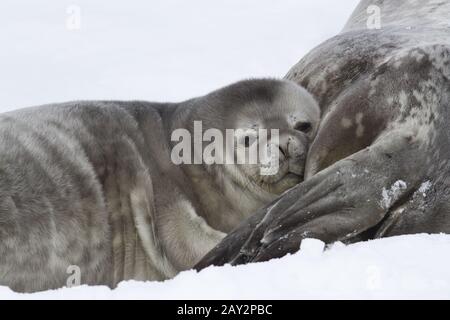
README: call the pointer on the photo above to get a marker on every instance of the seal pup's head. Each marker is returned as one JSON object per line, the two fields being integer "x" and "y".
{"x": 247, "y": 107}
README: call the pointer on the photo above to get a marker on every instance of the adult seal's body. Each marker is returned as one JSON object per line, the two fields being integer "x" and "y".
{"x": 379, "y": 165}
{"x": 89, "y": 189}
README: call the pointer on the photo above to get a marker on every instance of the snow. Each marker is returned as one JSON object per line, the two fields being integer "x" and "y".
{"x": 391, "y": 195}
{"x": 405, "y": 267}
{"x": 171, "y": 50}
{"x": 424, "y": 187}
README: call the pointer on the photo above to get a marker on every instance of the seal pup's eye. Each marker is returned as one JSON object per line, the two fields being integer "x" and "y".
{"x": 304, "y": 127}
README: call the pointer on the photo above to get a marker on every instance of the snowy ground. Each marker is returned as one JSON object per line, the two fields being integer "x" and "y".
{"x": 171, "y": 50}
{"x": 407, "y": 267}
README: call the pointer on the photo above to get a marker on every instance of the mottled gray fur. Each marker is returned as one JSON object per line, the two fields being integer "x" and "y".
{"x": 380, "y": 163}
{"x": 92, "y": 184}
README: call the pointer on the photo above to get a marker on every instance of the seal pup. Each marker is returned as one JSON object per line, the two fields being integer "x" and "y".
{"x": 89, "y": 190}
{"x": 379, "y": 164}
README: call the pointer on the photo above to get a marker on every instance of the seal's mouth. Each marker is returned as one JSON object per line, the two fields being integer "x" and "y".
{"x": 287, "y": 169}
{"x": 284, "y": 180}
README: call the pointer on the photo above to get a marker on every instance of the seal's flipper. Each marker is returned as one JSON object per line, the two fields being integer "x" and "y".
{"x": 336, "y": 204}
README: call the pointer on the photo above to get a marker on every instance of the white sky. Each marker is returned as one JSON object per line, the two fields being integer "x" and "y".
{"x": 165, "y": 50}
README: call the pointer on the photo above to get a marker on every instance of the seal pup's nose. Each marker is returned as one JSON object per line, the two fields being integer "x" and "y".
{"x": 293, "y": 148}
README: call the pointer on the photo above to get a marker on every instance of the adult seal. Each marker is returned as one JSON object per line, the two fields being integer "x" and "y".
{"x": 379, "y": 165}
{"x": 89, "y": 191}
